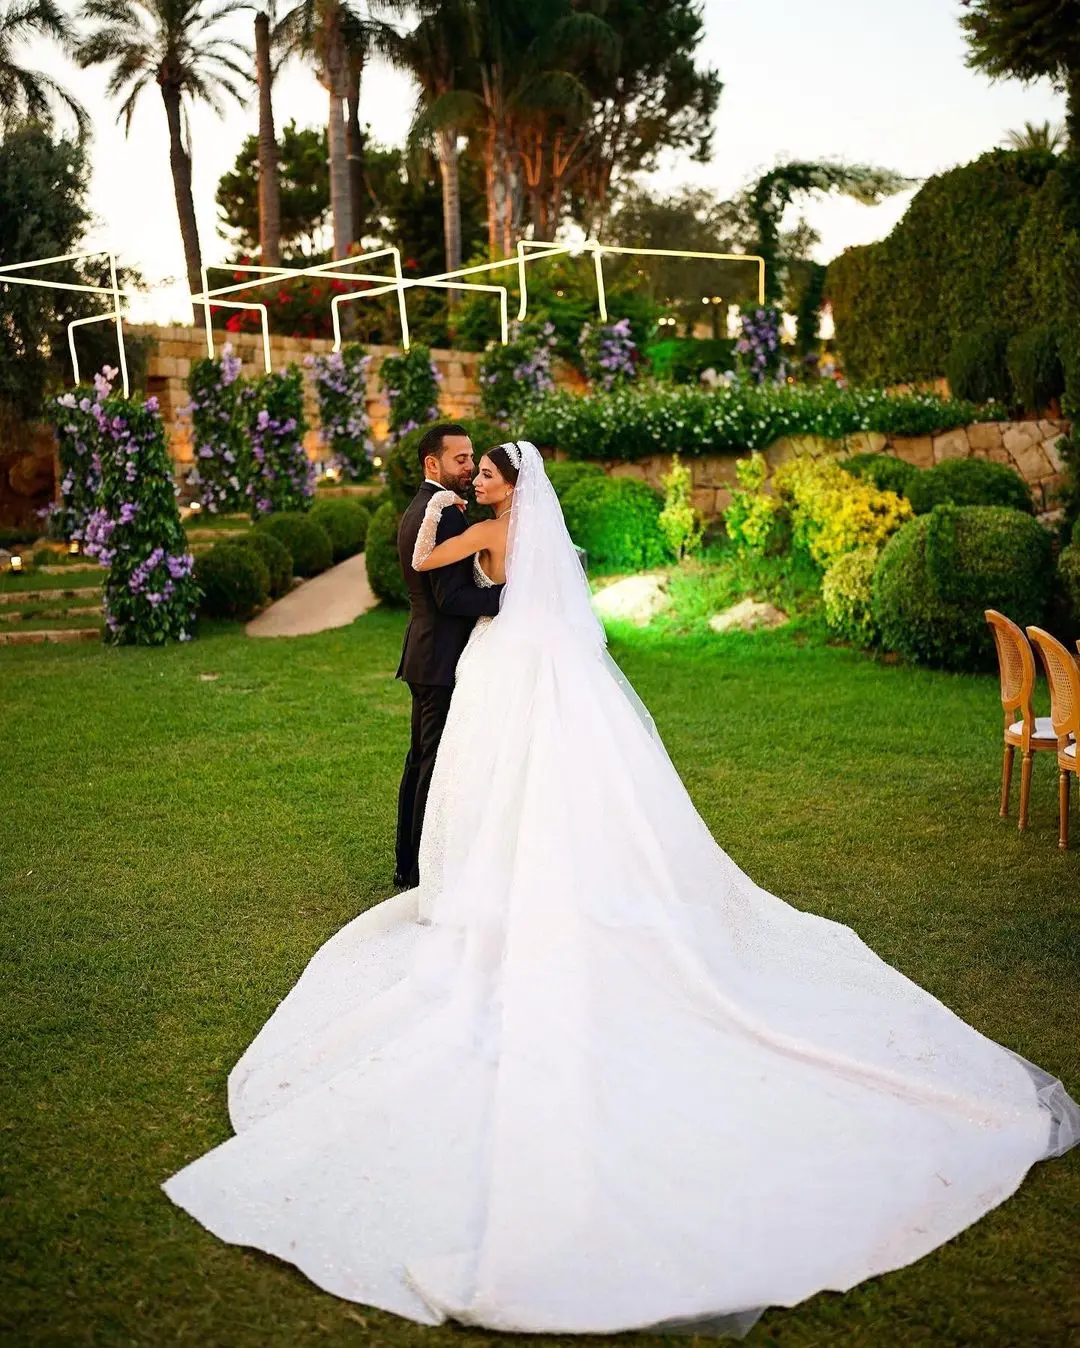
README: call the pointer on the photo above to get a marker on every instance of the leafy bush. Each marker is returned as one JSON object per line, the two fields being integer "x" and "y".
{"x": 617, "y": 522}
{"x": 345, "y": 521}
{"x": 758, "y": 350}
{"x": 976, "y": 366}
{"x": 134, "y": 529}
{"x": 568, "y": 473}
{"x": 941, "y": 571}
{"x": 681, "y": 525}
{"x": 411, "y": 384}
{"x": 512, "y": 374}
{"x": 754, "y": 519}
{"x": 969, "y": 482}
{"x": 681, "y": 360}
{"x": 383, "y": 565}
{"x": 341, "y": 384}
{"x": 885, "y": 471}
{"x": 276, "y": 558}
{"x": 234, "y": 580}
{"x": 609, "y": 355}
{"x": 833, "y": 513}
{"x": 282, "y": 477}
{"x": 1069, "y": 572}
{"x": 1035, "y": 368}
{"x": 403, "y": 469}
{"x": 218, "y": 410}
{"x": 637, "y": 421}
{"x": 847, "y": 592}
{"x": 308, "y": 542}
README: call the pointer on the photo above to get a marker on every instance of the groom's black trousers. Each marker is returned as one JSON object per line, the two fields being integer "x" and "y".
{"x": 430, "y": 705}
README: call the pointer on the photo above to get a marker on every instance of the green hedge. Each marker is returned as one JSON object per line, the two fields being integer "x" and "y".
{"x": 383, "y": 566}
{"x": 886, "y": 472}
{"x": 616, "y": 521}
{"x": 345, "y": 521}
{"x": 1069, "y": 572}
{"x": 969, "y": 482}
{"x": 681, "y": 360}
{"x": 1034, "y": 358}
{"x": 569, "y": 473}
{"x": 631, "y": 423}
{"x": 276, "y": 558}
{"x": 939, "y": 573}
{"x": 977, "y": 368}
{"x": 308, "y": 542}
{"x": 234, "y": 581}
{"x": 949, "y": 267}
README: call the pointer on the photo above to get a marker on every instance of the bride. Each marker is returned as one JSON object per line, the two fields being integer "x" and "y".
{"x": 589, "y": 1077}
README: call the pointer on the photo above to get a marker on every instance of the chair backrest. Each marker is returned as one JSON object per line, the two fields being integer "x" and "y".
{"x": 1063, "y": 676}
{"x": 1016, "y": 665}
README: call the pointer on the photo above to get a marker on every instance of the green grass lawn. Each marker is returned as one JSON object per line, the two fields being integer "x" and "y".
{"x": 182, "y": 828}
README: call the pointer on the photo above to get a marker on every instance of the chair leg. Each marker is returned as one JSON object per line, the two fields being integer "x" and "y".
{"x": 1063, "y": 809}
{"x": 1025, "y": 787}
{"x": 1006, "y": 779}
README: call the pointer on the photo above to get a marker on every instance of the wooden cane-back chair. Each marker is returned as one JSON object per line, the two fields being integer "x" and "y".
{"x": 1063, "y": 676}
{"x": 1024, "y": 730}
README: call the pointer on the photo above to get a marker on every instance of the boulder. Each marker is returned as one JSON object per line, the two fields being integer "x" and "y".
{"x": 747, "y": 616}
{"x": 637, "y": 599}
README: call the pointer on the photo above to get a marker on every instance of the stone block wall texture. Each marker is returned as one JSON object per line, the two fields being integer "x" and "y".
{"x": 174, "y": 350}
{"x": 1027, "y": 446}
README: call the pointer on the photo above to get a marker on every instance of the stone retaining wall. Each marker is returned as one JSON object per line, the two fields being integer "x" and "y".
{"x": 174, "y": 350}
{"x": 1027, "y": 446}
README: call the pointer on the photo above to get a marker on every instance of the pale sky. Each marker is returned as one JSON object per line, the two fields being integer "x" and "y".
{"x": 868, "y": 81}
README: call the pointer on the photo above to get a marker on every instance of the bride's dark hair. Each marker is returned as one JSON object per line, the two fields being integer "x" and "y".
{"x": 501, "y": 460}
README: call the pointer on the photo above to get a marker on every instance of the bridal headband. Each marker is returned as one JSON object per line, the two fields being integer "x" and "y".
{"x": 513, "y": 453}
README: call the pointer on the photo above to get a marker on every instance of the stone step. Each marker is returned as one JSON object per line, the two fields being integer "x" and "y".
{"x": 69, "y": 566}
{"x": 83, "y": 611}
{"x": 29, "y": 596}
{"x": 51, "y": 636}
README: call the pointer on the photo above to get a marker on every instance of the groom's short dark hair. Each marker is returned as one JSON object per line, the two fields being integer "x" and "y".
{"x": 431, "y": 442}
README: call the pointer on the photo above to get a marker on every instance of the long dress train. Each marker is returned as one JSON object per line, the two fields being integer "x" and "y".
{"x": 590, "y": 1077}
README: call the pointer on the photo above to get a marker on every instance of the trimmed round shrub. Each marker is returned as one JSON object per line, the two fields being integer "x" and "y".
{"x": 937, "y": 575}
{"x": 1035, "y": 367}
{"x": 345, "y": 521}
{"x": 616, "y": 520}
{"x": 847, "y": 592}
{"x": 276, "y": 557}
{"x": 383, "y": 566}
{"x": 307, "y": 541}
{"x": 885, "y": 471}
{"x": 969, "y": 482}
{"x": 1069, "y": 572}
{"x": 234, "y": 581}
{"x": 403, "y": 475}
{"x": 976, "y": 366}
{"x": 569, "y": 473}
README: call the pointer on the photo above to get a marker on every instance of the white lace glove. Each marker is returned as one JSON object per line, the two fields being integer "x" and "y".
{"x": 429, "y": 525}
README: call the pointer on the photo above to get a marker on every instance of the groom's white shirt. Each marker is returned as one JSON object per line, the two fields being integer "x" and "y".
{"x": 433, "y": 484}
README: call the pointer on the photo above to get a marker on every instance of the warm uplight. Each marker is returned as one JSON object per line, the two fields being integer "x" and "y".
{"x": 16, "y": 562}
{"x": 196, "y": 506}
{"x": 73, "y": 547}
{"x": 705, "y": 299}
{"x": 376, "y": 462}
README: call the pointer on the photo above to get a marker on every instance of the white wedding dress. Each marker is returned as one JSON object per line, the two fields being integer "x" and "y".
{"x": 590, "y": 1077}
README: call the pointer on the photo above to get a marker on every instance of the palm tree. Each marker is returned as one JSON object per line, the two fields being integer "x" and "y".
{"x": 170, "y": 43}
{"x": 269, "y": 196}
{"x": 436, "y": 53}
{"x": 31, "y": 92}
{"x": 1038, "y": 136}
{"x": 339, "y": 38}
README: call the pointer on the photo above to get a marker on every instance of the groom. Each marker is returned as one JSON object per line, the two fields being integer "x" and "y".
{"x": 443, "y": 606}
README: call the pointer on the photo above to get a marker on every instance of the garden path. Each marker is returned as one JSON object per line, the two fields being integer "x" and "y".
{"x": 333, "y": 599}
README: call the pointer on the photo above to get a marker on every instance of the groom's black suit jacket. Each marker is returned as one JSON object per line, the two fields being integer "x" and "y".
{"x": 443, "y": 604}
